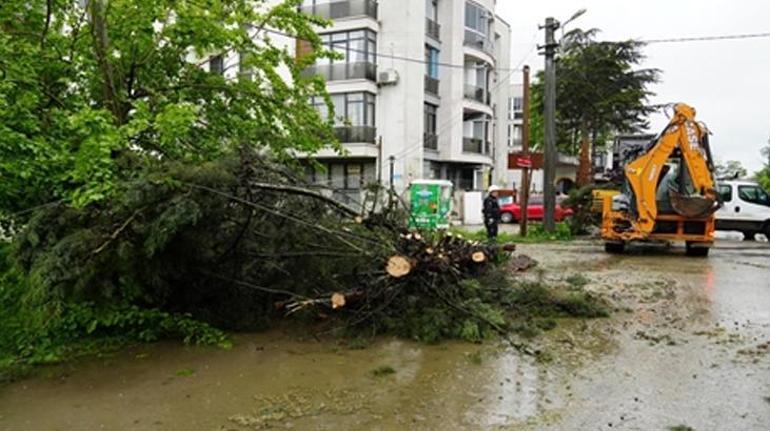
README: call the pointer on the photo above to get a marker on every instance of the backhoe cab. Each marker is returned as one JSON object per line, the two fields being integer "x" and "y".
{"x": 668, "y": 191}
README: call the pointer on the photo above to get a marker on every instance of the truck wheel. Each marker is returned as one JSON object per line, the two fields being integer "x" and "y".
{"x": 696, "y": 251}
{"x": 766, "y": 230}
{"x": 614, "y": 247}
{"x": 506, "y": 218}
{"x": 749, "y": 236}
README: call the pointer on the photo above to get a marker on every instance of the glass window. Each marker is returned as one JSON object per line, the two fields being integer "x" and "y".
{"x": 217, "y": 64}
{"x": 354, "y": 46}
{"x": 337, "y": 171}
{"x": 518, "y": 104}
{"x": 431, "y": 9}
{"x": 476, "y": 18}
{"x": 431, "y": 60}
{"x": 726, "y": 193}
{"x": 350, "y": 109}
{"x": 754, "y": 194}
{"x": 430, "y": 119}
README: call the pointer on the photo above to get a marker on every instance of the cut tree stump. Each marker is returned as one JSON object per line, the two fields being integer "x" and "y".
{"x": 398, "y": 266}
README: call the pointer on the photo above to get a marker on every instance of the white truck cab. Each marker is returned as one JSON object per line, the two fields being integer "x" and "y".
{"x": 746, "y": 208}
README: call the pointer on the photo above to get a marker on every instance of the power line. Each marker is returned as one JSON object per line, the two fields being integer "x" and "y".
{"x": 707, "y": 38}
{"x": 389, "y": 56}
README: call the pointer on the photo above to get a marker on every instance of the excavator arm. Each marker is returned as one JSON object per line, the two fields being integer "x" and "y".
{"x": 643, "y": 174}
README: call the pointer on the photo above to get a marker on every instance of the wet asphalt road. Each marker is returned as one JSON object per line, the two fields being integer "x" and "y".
{"x": 688, "y": 344}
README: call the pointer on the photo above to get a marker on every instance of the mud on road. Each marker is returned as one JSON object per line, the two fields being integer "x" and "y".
{"x": 688, "y": 344}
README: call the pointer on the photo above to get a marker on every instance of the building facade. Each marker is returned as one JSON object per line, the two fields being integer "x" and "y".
{"x": 421, "y": 92}
{"x": 566, "y": 166}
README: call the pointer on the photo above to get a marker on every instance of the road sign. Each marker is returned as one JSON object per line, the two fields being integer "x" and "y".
{"x": 528, "y": 161}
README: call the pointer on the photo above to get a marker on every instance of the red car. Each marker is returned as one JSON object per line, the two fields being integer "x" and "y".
{"x": 511, "y": 212}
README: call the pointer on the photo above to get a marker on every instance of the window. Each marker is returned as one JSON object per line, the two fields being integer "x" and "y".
{"x": 477, "y": 18}
{"x": 518, "y": 104}
{"x": 217, "y": 64}
{"x": 430, "y": 119}
{"x": 350, "y": 109}
{"x": 352, "y": 175}
{"x": 726, "y": 193}
{"x": 357, "y": 46}
{"x": 431, "y": 61}
{"x": 431, "y": 9}
{"x": 754, "y": 195}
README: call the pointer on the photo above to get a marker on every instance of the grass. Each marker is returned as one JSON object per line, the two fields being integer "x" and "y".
{"x": 383, "y": 370}
{"x": 577, "y": 280}
{"x": 681, "y": 428}
{"x": 536, "y": 234}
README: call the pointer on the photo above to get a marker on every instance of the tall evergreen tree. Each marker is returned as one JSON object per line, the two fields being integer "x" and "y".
{"x": 599, "y": 91}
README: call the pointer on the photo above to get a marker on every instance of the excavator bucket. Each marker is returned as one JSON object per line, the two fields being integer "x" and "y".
{"x": 693, "y": 206}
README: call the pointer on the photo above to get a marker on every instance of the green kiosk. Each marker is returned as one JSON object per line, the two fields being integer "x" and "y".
{"x": 431, "y": 203}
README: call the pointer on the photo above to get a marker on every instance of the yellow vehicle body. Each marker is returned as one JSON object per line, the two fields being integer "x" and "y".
{"x": 693, "y": 217}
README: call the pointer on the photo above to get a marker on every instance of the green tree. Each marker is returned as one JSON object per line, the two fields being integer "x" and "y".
{"x": 599, "y": 92}
{"x": 732, "y": 169}
{"x": 763, "y": 176}
{"x": 93, "y": 94}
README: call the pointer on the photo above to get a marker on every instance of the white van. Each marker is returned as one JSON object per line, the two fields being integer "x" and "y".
{"x": 746, "y": 208}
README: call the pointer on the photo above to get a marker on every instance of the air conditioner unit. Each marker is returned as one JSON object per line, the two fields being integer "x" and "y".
{"x": 388, "y": 77}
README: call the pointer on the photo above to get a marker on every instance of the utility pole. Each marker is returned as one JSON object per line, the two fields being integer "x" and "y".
{"x": 551, "y": 25}
{"x": 525, "y": 150}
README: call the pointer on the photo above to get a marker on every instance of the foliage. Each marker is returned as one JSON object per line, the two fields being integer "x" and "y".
{"x": 32, "y": 336}
{"x": 583, "y": 217}
{"x": 599, "y": 92}
{"x": 92, "y": 93}
{"x": 763, "y": 176}
{"x": 731, "y": 170}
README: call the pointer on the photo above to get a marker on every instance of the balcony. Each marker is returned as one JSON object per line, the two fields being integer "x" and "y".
{"x": 474, "y": 145}
{"x": 432, "y": 29}
{"x": 430, "y": 141}
{"x": 356, "y": 134}
{"x": 342, "y": 71}
{"x": 431, "y": 85}
{"x": 480, "y": 42}
{"x": 343, "y": 9}
{"x": 478, "y": 94}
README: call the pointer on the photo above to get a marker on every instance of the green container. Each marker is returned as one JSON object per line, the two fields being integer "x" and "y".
{"x": 431, "y": 204}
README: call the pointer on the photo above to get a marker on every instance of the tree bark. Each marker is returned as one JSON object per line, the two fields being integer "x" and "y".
{"x": 584, "y": 167}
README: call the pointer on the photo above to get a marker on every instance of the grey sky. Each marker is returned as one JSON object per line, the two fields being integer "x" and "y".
{"x": 728, "y": 82}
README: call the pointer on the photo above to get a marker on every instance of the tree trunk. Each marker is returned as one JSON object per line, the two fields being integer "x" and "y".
{"x": 584, "y": 168}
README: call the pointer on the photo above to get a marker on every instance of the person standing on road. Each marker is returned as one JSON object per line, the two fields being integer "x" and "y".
{"x": 491, "y": 212}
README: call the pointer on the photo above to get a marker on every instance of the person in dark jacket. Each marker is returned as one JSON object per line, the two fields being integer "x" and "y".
{"x": 491, "y": 212}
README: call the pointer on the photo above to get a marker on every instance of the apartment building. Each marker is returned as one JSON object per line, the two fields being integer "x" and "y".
{"x": 566, "y": 166}
{"x": 420, "y": 93}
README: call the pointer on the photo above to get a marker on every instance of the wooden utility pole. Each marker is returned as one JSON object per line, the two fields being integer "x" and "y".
{"x": 549, "y": 173}
{"x": 525, "y": 150}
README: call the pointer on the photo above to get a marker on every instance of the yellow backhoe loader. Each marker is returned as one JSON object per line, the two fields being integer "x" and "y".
{"x": 668, "y": 193}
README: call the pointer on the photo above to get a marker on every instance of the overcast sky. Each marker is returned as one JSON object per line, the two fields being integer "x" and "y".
{"x": 728, "y": 82}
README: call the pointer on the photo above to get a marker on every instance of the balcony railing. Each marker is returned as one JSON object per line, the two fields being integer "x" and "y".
{"x": 432, "y": 29}
{"x": 473, "y": 145}
{"x": 431, "y": 85}
{"x": 480, "y": 42}
{"x": 430, "y": 141}
{"x": 356, "y": 134}
{"x": 478, "y": 94}
{"x": 343, "y": 9}
{"x": 342, "y": 71}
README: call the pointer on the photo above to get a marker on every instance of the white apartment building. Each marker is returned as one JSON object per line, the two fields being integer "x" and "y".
{"x": 421, "y": 92}
{"x": 426, "y": 79}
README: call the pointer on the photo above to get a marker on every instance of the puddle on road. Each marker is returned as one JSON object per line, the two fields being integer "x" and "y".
{"x": 264, "y": 383}
{"x": 673, "y": 359}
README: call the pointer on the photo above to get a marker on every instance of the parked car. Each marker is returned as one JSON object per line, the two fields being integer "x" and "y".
{"x": 746, "y": 208}
{"x": 511, "y": 212}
